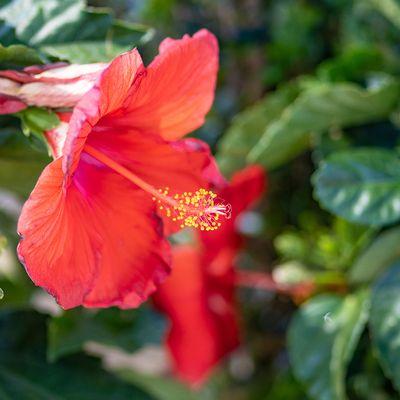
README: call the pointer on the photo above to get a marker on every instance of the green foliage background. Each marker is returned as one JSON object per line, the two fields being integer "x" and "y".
{"x": 309, "y": 89}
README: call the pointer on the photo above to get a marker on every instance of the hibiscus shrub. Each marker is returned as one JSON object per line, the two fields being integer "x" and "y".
{"x": 257, "y": 258}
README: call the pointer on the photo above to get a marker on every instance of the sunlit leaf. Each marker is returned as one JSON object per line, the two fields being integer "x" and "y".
{"x": 322, "y": 337}
{"x": 248, "y": 127}
{"x": 320, "y": 107}
{"x": 381, "y": 253}
{"x": 20, "y": 164}
{"x": 39, "y": 22}
{"x": 389, "y": 8}
{"x": 19, "y": 55}
{"x": 70, "y": 31}
{"x": 361, "y": 185}
{"x": 121, "y": 37}
{"x": 385, "y": 322}
{"x": 352, "y": 64}
{"x": 36, "y": 120}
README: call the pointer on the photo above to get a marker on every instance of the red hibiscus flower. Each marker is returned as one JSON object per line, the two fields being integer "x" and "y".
{"x": 90, "y": 230}
{"x": 198, "y": 297}
{"x": 53, "y": 85}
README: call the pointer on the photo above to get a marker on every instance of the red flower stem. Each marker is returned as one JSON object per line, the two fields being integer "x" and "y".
{"x": 264, "y": 281}
{"x": 255, "y": 279}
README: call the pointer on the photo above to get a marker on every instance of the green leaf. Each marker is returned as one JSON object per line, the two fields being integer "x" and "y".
{"x": 15, "y": 294}
{"x": 381, "y": 253}
{"x": 248, "y": 127}
{"x": 389, "y": 8}
{"x": 353, "y": 64}
{"x": 120, "y": 37}
{"x": 39, "y": 22}
{"x": 322, "y": 337}
{"x": 20, "y": 165}
{"x": 320, "y": 107}
{"x": 25, "y": 374}
{"x": 70, "y": 31}
{"x": 361, "y": 185}
{"x": 83, "y": 52}
{"x": 293, "y": 246}
{"x": 19, "y": 55}
{"x": 129, "y": 330}
{"x": 36, "y": 120}
{"x": 385, "y": 323}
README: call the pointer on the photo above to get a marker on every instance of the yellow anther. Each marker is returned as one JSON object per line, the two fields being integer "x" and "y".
{"x": 199, "y": 209}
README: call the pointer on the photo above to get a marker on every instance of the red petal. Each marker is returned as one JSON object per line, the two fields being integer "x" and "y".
{"x": 10, "y": 105}
{"x": 201, "y": 308}
{"x": 106, "y": 97}
{"x": 185, "y": 165}
{"x": 96, "y": 243}
{"x": 58, "y": 249}
{"x": 170, "y": 97}
{"x": 245, "y": 188}
{"x": 178, "y": 89}
{"x": 135, "y": 256}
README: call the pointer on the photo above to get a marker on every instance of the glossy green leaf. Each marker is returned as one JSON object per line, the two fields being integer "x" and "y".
{"x": 320, "y": 107}
{"x": 70, "y": 31}
{"x": 389, "y": 8}
{"x": 322, "y": 337}
{"x": 353, "y": 64}
{"x": 25, "y": 374}
{"x": 385, "y": 322}
{"x": 84, "y": 52}
{"x": 20, "y": 164}
{"x": 16, "y": 293}
{"x": 379, "y": 255}
{"x": 120, "y": 37}
{"x": 361, "y": 185}
{"x": 40, "y": 22}
{"x": 36, "y": 120}
{"x": 126, "y": 329}
{"x": 248, "y": 127}
{"x": 19, "y": 55}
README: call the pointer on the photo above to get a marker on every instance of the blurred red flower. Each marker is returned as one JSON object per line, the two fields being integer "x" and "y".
{"x": 53, "y": 85}
{"x": 90, "y": 231}
{"x": 199, "y": 296}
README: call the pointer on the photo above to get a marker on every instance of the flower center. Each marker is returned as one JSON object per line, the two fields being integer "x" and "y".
{"x": 201, "y": 209}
